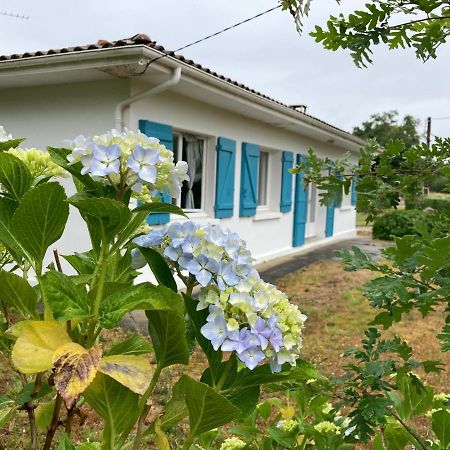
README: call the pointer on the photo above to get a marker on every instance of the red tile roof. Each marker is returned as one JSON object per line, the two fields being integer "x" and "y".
{"x": 143, "y": 39}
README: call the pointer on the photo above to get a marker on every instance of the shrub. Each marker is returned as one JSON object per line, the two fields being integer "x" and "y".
{"x": 399, "y": 223}
{"x": 438, "y": 204}
{"x": 439, "y": 183}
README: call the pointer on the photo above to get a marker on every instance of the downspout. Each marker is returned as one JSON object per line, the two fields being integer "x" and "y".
{"x": 120, "y": 107}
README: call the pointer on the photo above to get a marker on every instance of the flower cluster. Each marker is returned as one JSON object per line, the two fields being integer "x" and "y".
{"x": 245, "y": 315}
{"x": 211, "y": 256}
{"x": 38, "y": 162}
{"x": 327, "y": 427}
{"x": 4, "y": 137}
{"x": 232, "y": 443}
{"x": 130, "y": 160}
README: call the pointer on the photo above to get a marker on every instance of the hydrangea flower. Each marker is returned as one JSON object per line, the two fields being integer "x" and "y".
{"x": 38, "y": 162}
{"x": 327, "y": 427}
{"x": 245, "y": 315}
{"x": 4, "y": 137}
{"x": 232, "y": 443}
{"x": 133, "y": 160}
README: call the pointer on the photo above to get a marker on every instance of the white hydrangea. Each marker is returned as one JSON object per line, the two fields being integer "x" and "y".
{"x": 38, "y": 162}
{"x": 232, "y": 443}
{"x": 327, "y": 427}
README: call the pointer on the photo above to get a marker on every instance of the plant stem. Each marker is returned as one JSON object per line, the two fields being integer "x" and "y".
{"x": 411, "y": 432}
{"x": 188, "y": 442}
{"x": 53, "y": 424}
{"x": 225, "y": 373}
{"x": 143, "y": 408}
{"x": 33, "y": 429}
{"x": 70, "y": 415}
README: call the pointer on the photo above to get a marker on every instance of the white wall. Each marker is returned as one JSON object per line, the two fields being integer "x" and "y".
{"x": 48, "y": 115}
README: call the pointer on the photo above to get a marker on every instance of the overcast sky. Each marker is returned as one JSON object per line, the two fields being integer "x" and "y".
{"x": 267, "y": 54}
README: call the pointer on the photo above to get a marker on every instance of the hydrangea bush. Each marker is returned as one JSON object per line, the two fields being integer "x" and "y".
{"x": 55, "y": 307}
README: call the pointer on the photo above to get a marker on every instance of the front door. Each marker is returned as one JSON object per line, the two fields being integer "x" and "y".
{"x": 300, "y": 208}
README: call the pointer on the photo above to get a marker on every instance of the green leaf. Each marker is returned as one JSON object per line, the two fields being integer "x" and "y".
{"x": 6, "y": 415}
{"x": 65, "y": 299}
{"x": 198, "y": 319}
{"x": 397, "y": 437}
{"x": 115, "y": 404}
{"x": 17, "y": 293}
{"x": 159, "y": 267}
{"x": 160, "y": 208}
{"x": 40, "y": 219}
{"x": 134, "y": 345}
{"x": 15, "y": 178}
{"x": 440, "y": 423}
{"x": 89, "y": 446}
{"x": 44, "y": 413}
{"x": 13, "y": 143}
{"x": 27, "y": 393}
{"x": 106, "y": 215}
{"x": 281, "y": 437}
{"x": 246, "y": 399}
{"x": 7, "y": 210}
{"x": 175, "y": 409}
{"x": 207, "y": 409}
{"x": 65, "y": 444}
{"x": 141, "y": 296}
{"x": 168, "y": 332}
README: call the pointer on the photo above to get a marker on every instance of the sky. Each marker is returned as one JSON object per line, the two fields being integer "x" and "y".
{"x": 266, "y": 54}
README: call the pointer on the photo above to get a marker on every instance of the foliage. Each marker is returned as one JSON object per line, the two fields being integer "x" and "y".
{"x": 51, "y": 328}
{"x": 385, "y": 128}
{"x": 439, "y": 184}
{"x": 421, "y": 25}
{"x": 437, "y": 204}
{"x": 398, "y": 223}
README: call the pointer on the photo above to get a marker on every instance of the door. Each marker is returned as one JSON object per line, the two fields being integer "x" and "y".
{"x": 300, "y": 208}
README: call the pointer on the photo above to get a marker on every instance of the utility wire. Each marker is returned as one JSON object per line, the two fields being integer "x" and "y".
{"x": 440, "y": 118}
{"x": 208, "y": 37}
{"x": 16, "y": 16}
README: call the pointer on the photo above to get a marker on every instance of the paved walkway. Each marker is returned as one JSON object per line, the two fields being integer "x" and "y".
{"x": 277, "y": 268}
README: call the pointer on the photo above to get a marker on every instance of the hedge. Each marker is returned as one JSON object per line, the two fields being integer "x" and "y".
{"x": 398, "y": 223}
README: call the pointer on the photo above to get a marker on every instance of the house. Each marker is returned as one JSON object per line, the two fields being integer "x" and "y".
{"x": 239, "y": 143}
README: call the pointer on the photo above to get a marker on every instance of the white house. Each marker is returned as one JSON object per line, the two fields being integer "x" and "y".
{"x": 239, "y": 143}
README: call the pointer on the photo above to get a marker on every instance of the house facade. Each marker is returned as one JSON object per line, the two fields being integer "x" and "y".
{"x": 239, "y": 144}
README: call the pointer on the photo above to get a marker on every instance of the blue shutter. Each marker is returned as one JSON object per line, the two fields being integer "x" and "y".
{"x": 354, "y": 193}
{"x": 300, "y": 208}
{"x": 249, "y": 179}
{"x": 286, "y": 181}
{"x": 226, "y": 159}
{"x": 165, "y": 135}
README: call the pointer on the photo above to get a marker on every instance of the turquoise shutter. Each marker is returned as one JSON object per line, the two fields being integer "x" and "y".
{"x": 354, "y": 194}
{"x": 287, "y": 161}
{"x": 226, "y": 160}
{"x": 300, "y": 209}
{"x": 165, "y": 135}
{"x": 249, "y": 180}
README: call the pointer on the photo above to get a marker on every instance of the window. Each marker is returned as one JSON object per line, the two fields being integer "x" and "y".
{"x": 191, "y": 148}
{"x": 312, "y": 202}
{"x": 263, "y": 178}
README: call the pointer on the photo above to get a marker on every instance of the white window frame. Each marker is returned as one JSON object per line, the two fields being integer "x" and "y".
{"x": 312, "y": 204}
{"x": 178, "y": 134}
{"x": 266, "y": 206}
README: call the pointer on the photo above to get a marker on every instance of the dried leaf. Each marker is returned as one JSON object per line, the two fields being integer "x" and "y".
{"x": 36, "y": 343}
{"x": 75, "y": 369}
{"x": 134, "y": 372}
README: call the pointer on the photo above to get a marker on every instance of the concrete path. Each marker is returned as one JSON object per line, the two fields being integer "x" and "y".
{"x": 277, "y": 268}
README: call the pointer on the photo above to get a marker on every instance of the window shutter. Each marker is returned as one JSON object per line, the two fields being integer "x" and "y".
{"x": 301, "y": 207}
{"x": 249, "y": 180}
{"x": 165, "y": 135}
{"x": 287, "y": 161}
{"x": 226, "y": 159}
{"x": 354, "y": 194}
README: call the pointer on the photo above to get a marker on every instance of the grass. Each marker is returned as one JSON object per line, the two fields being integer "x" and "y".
{"x": 337, "y": 316}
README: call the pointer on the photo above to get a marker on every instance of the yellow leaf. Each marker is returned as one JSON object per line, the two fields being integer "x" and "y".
{"x": 162, "y": 443}
{"x": 75, "y": 370}
{"x": 36, "y": 342}
{"x": 288, "y": 412}
{"x": 134, "y": 372}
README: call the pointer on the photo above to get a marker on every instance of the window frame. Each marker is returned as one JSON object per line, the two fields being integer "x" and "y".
{"x": 266, "y": 206}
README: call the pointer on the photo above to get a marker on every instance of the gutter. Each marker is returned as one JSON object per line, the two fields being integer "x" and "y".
{"x": 120, "y": 107}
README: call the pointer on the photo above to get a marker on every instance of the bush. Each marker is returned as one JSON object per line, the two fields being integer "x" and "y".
{"x": 439, "y": 183}
{"x": 438, "y": 204}
{"x": 399, "y": 223}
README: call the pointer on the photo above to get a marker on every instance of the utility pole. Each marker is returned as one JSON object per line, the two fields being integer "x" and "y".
{"x": 428, "y": 131}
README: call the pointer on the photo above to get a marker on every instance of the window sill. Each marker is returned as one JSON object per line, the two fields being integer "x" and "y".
{"x": 197, "y": 215}
{"x": 346, "y": 208}
{"x": 267, "y": 215}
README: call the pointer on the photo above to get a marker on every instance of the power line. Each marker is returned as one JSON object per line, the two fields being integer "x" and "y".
{"x": 440, "y": 118}
{"x": 16, "y": 16}
{"x": 209, "y": 37}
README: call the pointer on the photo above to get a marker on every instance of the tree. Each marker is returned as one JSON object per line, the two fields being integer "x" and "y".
{"x": 385, "y": 127}
{"x": 423, "y": 25}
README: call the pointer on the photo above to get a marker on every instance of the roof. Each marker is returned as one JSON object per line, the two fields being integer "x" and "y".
{"x": 143, "y": 39}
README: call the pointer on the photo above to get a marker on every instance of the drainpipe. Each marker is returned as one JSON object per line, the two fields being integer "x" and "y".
{"x": 120, "y": 107}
